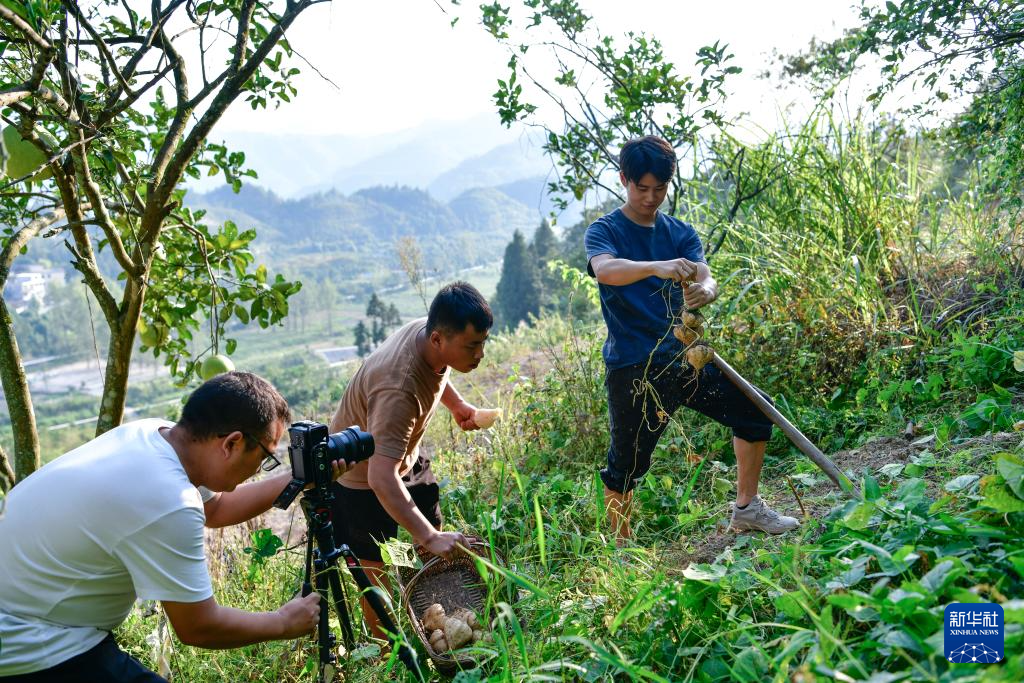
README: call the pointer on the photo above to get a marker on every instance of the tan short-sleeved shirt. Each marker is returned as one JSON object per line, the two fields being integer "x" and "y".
{"x": 392, "y": 396}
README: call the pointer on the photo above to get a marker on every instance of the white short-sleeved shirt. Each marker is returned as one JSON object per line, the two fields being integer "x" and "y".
{"x": 113, "y": 520}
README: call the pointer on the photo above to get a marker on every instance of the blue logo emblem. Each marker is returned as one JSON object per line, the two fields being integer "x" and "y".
{"x": 974, "y": 633}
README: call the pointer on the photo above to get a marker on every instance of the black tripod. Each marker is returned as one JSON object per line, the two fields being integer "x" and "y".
{"x": 322, "y": 567}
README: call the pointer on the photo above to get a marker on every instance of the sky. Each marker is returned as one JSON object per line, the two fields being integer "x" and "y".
{"x": 399, "y": 63}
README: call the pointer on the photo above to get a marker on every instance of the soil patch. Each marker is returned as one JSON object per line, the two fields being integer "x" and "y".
{"x": 677, "y": 557}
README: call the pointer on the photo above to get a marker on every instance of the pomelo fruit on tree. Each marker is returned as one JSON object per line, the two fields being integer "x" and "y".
{"x": 215, "y": 365}
{"x": 21, "y": 157}
{"x": 153, "y": 335}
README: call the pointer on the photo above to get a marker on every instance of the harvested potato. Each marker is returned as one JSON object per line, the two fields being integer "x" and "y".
{"x": 695, "y": 321}
{"x": 433, "y": 618}
{"x": 438, "y": 642}
{"x": 485, "y": 417}
{"x": 467, "y": 616}
{"x": 457, "y": 632}
{"x": 700, "y": 355}
{"x": 478, "y": 635}
{"x": 686, "y": 335}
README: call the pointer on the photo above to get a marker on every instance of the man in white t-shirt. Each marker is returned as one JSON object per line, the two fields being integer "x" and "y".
{"x": 121, "y": 518}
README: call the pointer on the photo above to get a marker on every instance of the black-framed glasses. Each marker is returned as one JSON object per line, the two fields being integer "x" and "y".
{"x": 269, "y": 461}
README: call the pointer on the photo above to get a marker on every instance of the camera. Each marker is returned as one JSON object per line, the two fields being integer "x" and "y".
{"x": 312, "y": 449}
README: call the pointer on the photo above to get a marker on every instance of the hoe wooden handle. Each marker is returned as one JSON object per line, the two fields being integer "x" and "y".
{"x": 794, "y": 434}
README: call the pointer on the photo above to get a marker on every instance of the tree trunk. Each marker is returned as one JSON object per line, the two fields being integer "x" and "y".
{"x": 6, "y": 474}
{"x": 119, "y": 356}
{"x": 12, "y": 372}
{"x": 19, "y": 401}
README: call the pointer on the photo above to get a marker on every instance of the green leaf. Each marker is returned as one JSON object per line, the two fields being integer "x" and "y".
{"x": 789, "y": 604}
{"x": 962, "y": 482}
{"x": 860, "y": 516}
{"x": 707, "y": 573}
{"x": 265, "y": 544}
{"x": 365, "y": 652}
{"x": 639, "y": 604}
{"x": 1012, "y": 468}
{"x": 871, "y": 488}
{"x": 901, "y": 639}
{"x": 398, "y": 553}
{"x": 1013, "y": 610}
{"x": 998, "y": 495}
{"x": 940, "y": 576}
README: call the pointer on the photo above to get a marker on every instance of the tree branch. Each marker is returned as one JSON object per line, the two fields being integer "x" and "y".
{"x": 177, "y": 127}
{"x": 129, "y": 71}
{"x": 21, "y": 238}
{"x": 92, "y": 192}
{"x": 227, "y": 94}
{"x": 92, "y": 276}
{"x": 34, "y": 38}
{"x": 100, "y": 44}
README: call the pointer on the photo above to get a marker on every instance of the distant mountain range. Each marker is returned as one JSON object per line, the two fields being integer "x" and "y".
{"x": 445, "y": 158}
{"x": 471, "y": 229}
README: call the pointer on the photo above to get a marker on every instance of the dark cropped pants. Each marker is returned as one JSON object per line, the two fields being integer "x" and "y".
{"x": 642, "y": 398}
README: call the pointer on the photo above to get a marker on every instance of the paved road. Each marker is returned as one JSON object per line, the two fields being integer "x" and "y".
{"x": 86, "y": 377}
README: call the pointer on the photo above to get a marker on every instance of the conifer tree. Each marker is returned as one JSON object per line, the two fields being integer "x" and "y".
{"x": 362, "y": 339}
{"x": 518, "y": 294}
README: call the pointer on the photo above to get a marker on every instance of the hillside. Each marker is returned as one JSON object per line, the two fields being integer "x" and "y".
{"x": 469, "y": 230}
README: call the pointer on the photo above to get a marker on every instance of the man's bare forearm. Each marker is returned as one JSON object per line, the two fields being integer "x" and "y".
{"x": 450, "y": 397}
{"x": 619, "y": 271}
{"x": 222, "y": 628}
{"x": 245, "y": 502}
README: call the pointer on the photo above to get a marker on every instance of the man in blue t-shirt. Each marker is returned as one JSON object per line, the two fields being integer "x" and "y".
{"x": 649, "y": 266}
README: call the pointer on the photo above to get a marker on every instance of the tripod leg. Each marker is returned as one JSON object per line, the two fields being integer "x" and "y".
{"x": 325, "y": 638}
{"x": 340, "y": 605}
{"x": 405, "y": 651}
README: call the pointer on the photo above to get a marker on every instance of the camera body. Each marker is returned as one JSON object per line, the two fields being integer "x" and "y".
{"x": 312, "y": 449}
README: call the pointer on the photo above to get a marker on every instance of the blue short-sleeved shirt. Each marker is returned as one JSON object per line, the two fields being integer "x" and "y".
{"x": 640, "y": 316}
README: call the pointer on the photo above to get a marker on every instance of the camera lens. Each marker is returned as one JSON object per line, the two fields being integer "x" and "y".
{"x": 352, "y": 444}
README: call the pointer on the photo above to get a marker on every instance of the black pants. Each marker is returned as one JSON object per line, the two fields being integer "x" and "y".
{"x": 361, "y": 522}
{"x": 105, "y": 663}
{"x": 641, "y": 399}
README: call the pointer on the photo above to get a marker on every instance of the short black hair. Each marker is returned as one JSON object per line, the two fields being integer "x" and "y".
{"x": 649, "y": 154}
{"x": 234, "y": 402}
{"x": 457, "y": 304}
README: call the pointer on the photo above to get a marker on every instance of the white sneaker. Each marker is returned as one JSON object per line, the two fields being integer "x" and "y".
{"x": 757, "y": 516}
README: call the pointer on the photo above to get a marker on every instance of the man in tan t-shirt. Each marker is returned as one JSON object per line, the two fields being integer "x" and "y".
{"x": 393, "y": 396}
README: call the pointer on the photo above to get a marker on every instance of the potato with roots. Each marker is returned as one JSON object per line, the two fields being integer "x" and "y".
{"x": 698, "y": 356}
{"x": 685, "y": 334}
{"x": 693, "y": 320}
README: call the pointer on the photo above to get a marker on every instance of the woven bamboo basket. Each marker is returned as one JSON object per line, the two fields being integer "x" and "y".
{"x": 453, "y": 583}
